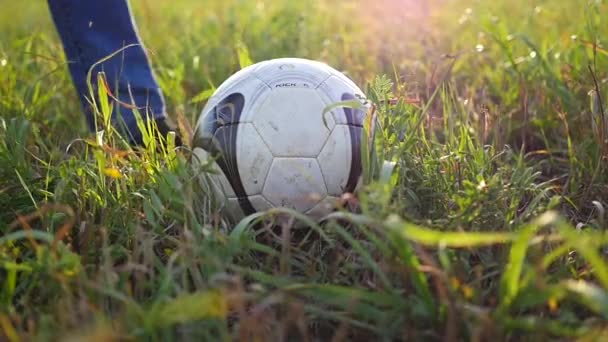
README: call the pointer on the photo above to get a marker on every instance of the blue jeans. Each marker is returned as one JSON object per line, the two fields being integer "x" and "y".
{"x": 92, "y": 30}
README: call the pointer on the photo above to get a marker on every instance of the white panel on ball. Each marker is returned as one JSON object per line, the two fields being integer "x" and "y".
{"x": 260, "y": 203}
{"x": 291, "y": 122}
{"x": 221, "y": 183}
{"x": 254, "y": 158}
{"x": 302, "y": 73}
{"x": 332, "y": 90}
{"x": 252, "y": 88}
{"x": 233, "y": 209}
{"x": 335, "y": 160}
{"x": 295, "y": 182}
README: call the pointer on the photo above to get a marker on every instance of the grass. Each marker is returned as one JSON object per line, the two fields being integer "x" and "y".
{"x": 491, "y": 224}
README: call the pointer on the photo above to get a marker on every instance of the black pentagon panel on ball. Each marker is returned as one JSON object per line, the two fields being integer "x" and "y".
{"x": 218, "y": 136}
{"x": 203, "y": 136}
{"x": 227, "y": 112}
{"x": 356, "y": 167}
{"x": 355, "y": 118}
{"x": 224, "y": 143}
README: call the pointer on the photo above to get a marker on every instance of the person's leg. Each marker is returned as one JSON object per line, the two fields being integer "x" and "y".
{"x": 90, "y": 32}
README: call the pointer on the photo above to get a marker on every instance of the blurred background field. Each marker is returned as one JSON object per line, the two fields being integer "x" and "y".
{"x": 499, "y": 133}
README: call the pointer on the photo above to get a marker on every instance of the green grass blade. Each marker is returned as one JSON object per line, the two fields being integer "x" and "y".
{"x": 436, "y": 238}
{"x": 510, "y": 282}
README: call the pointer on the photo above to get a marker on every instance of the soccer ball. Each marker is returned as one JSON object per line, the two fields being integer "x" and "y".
{"x": 274, "y": 142}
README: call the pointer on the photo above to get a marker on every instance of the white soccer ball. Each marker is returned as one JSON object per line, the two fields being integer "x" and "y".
{"x": 271, "y": 143}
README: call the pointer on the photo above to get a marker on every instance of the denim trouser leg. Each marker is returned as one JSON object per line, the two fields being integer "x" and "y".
{"x": 90, "y": 31}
